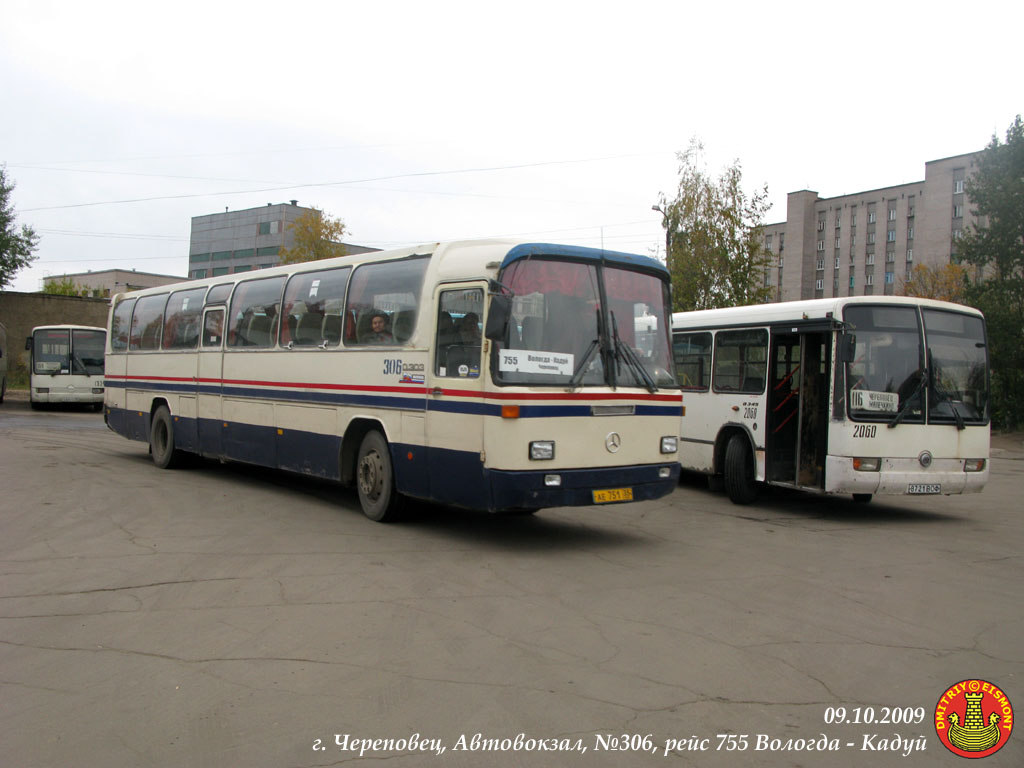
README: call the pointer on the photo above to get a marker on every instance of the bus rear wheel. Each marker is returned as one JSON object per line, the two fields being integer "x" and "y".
{"x": 861, "y": 498}
{"x": 161, "y": 440}
{"x": 739, "y": 471}
{"x": 375, "y": 480}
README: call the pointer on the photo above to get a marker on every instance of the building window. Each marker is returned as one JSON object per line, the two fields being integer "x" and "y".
{"x": 871, "y": 217}
{"x": 890, "y": 256}
{"x": 821, "y": 245}
{"x": 871, "y": 237}
{"x": 890, "y": 278}
{"x": 869, "y": 259}
{"x": 958, "y": 187}
{"x": 853, "y": 240}
{"x": 821, "y": 225}
{"x": 892, "y": 214}
{"x": 768, "y": 242}
{"x": 910, "y": 234}
{"x": 821, "y": 264}
{"x": 869, "y": 279}
{"x": 819, "y": 284}
{"x": 957, "y": 233}
{"x": 221, "y": 255}
{"x": 837, "y": 262}
{"x": 851, "y": 281}
{"x": 195, "y": 257}
{"x": 198, "y": 274}
{"x": 269, "y": 227}
{"x": 890, "y": 236}
{"x": 853, "y": 219}
{"x": 958, "y": 211}
{"x": 218, "y": 271}
{"x": 910, "y": 254}
{"x": 837, "y": 242}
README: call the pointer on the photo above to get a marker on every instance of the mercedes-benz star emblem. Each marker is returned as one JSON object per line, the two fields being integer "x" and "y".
{"x": 613, "y": 442}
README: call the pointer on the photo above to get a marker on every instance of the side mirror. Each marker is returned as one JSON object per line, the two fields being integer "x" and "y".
{"x": 847, "y": 348}
{"x": 498, "y": 317}
{"x": 28, "y": 343}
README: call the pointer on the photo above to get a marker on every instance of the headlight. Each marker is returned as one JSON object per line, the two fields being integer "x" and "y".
{"x": 542, "y": 450}
{"x": 867, "y": 464}
{"x": 669, "y": 444}
{"x": 974, "y": 465}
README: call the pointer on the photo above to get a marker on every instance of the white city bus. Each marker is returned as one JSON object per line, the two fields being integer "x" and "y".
{"x": 861, "y": 395}
{"x": 490, "y": 375}
{"x": 66, "y": 365}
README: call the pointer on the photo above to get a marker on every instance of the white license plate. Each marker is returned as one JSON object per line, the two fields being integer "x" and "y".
{"x": 924, "y": 488}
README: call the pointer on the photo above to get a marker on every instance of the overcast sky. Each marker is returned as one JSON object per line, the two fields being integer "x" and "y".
{"x": 422, "y": 121}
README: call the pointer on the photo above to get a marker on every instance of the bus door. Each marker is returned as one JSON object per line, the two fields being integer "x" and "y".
{"x": 798, "y": 407}
{"x": 209, "y": 382}
{"x": 455, "y": 402}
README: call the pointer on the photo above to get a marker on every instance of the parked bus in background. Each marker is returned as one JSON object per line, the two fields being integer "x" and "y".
{"x": 3, "y": 362}
{"x": 490, "y": 375}
{"x": 861, "y": 395}
{"x": 66, "y": 365}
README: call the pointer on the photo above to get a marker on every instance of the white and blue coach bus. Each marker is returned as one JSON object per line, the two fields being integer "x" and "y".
{"x": 491, "y": 375}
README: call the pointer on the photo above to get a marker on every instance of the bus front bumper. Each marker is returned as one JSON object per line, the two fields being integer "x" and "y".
{"x": 902, "y": 477}
{"x": 581, "y": 487}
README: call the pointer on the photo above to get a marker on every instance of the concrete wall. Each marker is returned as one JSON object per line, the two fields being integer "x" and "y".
{"x": 21, "y": 312}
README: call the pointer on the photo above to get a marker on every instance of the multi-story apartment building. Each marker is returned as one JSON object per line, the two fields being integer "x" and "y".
{"x": 239, "y": 241}
{"x": 867, "y": 243}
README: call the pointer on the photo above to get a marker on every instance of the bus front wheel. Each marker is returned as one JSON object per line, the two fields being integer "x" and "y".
{"x": 861, "y": 498}
{"x": 161, "y": 440}
{"x": 739, "y": 471}
{"x": 375, "y": 480}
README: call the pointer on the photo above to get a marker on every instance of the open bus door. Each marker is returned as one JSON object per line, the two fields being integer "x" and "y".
{"x": 797, "y": 428}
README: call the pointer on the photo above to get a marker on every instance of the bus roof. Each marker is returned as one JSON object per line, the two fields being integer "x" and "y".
{"x": 789, "y": 311}
{"x": 68, "y": 326}
{"x": 464, "y": 259}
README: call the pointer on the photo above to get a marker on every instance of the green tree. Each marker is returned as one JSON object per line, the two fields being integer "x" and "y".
{"x": 995, "y": 244}
{"x": 714, "y": 251}
{"x": 317, "y": 236}
{"x": 16, "y": 246}
{"x": 66, "y": 287}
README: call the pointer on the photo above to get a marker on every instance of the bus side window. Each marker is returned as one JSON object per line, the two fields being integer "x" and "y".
{"x": 741, "y": 361}
{"x": 457, "y": 347}
{"x": 213, "y": 328}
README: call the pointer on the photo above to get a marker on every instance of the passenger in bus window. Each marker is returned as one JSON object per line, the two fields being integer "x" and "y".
{"x": 469, "y": 328}
{"x": 379, "y": 333}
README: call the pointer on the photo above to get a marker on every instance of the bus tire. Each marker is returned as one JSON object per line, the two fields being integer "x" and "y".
{"x": 739, "y": 471}
{"x": 161, "y": 440}
{"x": 375, "y": 480}
{"x": 861, "y": 498}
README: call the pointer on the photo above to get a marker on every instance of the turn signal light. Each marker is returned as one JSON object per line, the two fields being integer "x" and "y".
{"x": 867, "y": 465}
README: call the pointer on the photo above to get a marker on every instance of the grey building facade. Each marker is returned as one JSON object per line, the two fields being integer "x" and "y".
{"x": 107, "y": 282}
{"x": 240, "y": 241}
{"x": 867, "y": 243}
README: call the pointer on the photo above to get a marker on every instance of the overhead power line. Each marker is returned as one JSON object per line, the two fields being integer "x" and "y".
{"x": 420, "y": 174}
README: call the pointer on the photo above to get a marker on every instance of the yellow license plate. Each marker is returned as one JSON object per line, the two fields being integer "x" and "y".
{"x": 613, "y": 494}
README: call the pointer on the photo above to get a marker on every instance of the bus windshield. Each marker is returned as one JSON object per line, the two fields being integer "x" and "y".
{"x": 580, "y": 324}
{"x": 891, "y": 379}
{"x": 885, "y": 378}
{"x": 958, "y": 360}
{"x": 55, "y": 352}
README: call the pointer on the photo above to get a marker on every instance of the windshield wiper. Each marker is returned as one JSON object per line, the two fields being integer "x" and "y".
{"x": 581, "y": 369}
{"x": 626, "y": 353}
{"x": 910, "y": 400}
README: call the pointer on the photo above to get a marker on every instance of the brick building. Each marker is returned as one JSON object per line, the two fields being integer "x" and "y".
{"x": 867, "y": 243}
